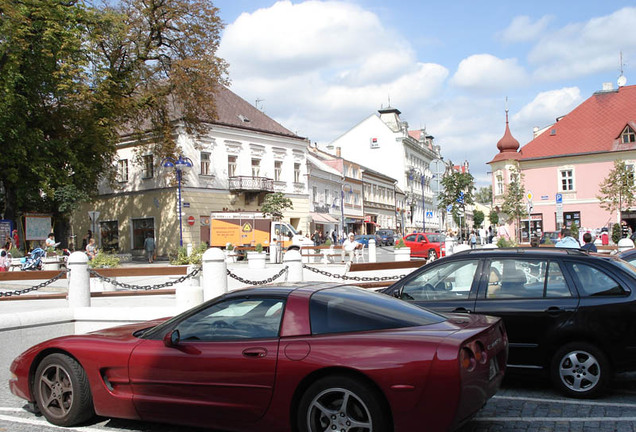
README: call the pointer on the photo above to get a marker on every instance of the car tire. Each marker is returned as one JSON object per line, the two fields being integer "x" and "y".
{"x": 432, "y": 255}
{"x": 62, "y": 392}
{"x": 321, "y": 406}
{"x": 580, "y": 370}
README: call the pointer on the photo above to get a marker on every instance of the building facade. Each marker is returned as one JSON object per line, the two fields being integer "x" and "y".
{"x": 243, "y": 156}
{"x": 565, "y": 163}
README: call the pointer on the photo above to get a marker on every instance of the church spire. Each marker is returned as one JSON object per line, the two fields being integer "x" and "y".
{"x": 508, "y": 143}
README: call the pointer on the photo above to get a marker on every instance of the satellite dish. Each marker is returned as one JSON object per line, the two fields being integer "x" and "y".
{"x": 621, "y": 81}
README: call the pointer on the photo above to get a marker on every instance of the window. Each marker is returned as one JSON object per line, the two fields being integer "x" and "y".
{"x": 296, "y": 173}
{"x": 572, "y": 217}
{"x": 628, "y": 135}
{"x": 499, "y": 184}
{"x": 446, "y": 282}
{"x": 205, "y": 163}
{"x": 256, "y": 167}
{"x": 630, "y": 170}
{"x": 148, "y": 167}
{"x": 109, "y": 232}
{"x": 342, "y": 309}
{"x": 567, "y": 180}
{"x": 511, "y": 278}
{"x": 594, "y": 282}
{"x": 141, "y": 229}
{"x": 231, "y": 166}
{"x": 244, "y": 318}
{"x": 278, "y": 170}
{"x": 122, "y": 170}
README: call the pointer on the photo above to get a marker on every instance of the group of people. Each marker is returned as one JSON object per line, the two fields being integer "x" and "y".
{"x": 318, "y": 237}
{"x": 11, "y": 242}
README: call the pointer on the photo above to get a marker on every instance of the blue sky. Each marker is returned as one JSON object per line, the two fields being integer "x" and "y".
{"x": 320, "y": 67}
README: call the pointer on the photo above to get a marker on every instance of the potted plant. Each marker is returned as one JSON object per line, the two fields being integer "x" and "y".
{"x": 230, "y": 253}
{"x": 401, "y": 252}
{"x": 256, "y": 259}
{"x": 53, "y": 259}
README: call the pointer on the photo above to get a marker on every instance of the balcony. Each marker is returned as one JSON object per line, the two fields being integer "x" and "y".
{"x": 251, "y": 184}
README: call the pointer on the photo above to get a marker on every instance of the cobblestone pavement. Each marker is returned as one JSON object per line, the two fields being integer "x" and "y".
{"x": 522, "y": 405}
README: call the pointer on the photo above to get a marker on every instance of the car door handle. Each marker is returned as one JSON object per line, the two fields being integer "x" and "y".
{"x": 461, "y": 310}
{"x": 554, "y": 310}
{"x": 255, "y": 352}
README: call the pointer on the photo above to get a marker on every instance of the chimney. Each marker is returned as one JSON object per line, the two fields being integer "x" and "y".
{"x": 338, "y": 152}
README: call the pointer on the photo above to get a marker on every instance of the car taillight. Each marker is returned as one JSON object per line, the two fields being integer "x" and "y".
{"x": 467, "y": 359}
{"x": 480, "y": 353}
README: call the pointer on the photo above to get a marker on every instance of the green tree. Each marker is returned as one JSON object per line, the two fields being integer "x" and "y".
{"x": 484, "y": 195}
{"x": 478, "y": 218}
{"x": 513, "y": 200}
{"x": 617, "y": 189}
{"x": 493, "y": 216}
{"x": 457, "y": 192}
{"x": 72, "y": 74}
{"x": 275, "y": 204}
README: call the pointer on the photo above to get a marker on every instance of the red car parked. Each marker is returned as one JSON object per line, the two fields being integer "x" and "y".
{"x": 427, "y": 245}
{"x": 302, "y": 357}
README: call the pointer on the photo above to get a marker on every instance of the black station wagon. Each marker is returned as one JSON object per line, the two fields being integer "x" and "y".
{"x": 566, "y": 312}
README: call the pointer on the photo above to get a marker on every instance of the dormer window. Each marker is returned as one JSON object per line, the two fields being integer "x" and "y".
{"x": 243, "y": 118}
{"x": 628, "y": 135}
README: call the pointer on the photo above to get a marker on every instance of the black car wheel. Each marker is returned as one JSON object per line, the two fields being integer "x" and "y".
{"x": 341, "y": 403}
{"x": 580, "y": 370}
{"x": 62, "y": 392}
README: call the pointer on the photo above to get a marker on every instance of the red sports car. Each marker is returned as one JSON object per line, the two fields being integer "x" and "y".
{"x": 286, "y": 357}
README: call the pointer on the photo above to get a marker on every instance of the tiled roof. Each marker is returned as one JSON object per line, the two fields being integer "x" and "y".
{"x": 592, "y": 127}
{"x": 234, "y": 111}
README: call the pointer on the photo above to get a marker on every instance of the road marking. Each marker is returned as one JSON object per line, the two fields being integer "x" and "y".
{"x": 45, "y": 424}
{"x": 555, "y": 419}
{"x": 568, "y": 401}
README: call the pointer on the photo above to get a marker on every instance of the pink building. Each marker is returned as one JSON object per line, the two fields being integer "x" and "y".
{"x": 567, "y": 162}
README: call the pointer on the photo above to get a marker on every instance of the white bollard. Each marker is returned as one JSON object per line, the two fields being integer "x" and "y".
{"x": 189, "y": 249}
{"x": 79, "y": 287}
{"x": 293, "y": 260}
{"x": 273, "y": 252}
{"x": 189, "y": 293}
{"x": 214, "y": 280}
{"x": 372, "y": 251}
{"x": 624, "y": 244}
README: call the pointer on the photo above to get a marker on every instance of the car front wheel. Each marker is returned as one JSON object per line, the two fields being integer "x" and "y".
{"x": 62, "y": 392}
{"x": 341, "y": 403}
{"x": 432, "y": 255}
{"x": 580, "y": 370}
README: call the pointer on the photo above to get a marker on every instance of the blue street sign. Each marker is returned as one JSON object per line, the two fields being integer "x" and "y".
{"x": 559, "y": 198}
{"x": 460, "y": 199}
{"x": 449, "y": 208}
{"x": 429, "y": 215}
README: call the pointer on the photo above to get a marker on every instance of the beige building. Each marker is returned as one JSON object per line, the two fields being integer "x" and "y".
{"x": 244, "y": 156}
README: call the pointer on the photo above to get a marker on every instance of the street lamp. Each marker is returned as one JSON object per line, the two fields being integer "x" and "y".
{"x": 342, "y": 194}
{"x": 179, "y": 165}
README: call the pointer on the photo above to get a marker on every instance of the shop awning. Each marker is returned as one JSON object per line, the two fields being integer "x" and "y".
{"x": 323, "y": 218}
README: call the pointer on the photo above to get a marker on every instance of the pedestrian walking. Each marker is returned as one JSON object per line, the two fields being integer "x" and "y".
{"x": 149, "y": 247}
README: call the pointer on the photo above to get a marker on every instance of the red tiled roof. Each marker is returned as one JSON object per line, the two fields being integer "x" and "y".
{"x": 592, "y": 127}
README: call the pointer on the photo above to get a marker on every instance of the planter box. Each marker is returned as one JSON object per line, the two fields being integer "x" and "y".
{"x": 52, "y": 263}
{"x": 256, "y": 260}
{"x": 402, "y": 254}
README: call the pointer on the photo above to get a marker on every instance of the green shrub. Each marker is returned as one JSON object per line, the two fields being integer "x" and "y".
{"x": 548, "y": 241}
{"x": 328, "y": 242}
{"x": 574, "y": 228}
{"x": 258, "y": 248}
{"x": 104, "y": 260}
{"x": 182, "y": 258}
{"x": 505, "y": 243}
{"x": 400, "y": 244}
{"x": 617, "y": 233}
{"x": 229, "y": 246}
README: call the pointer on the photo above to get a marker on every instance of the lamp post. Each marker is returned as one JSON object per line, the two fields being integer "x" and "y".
{"x": 179, "y": 165}
{"x": 342, "y": 194}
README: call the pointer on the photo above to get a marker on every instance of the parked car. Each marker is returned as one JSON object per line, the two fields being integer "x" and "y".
{"x": 628, "y": 255}
{"x": 279, "y": 357}
{"x": 554, "y": 237}
{"x": 566, "y": 312}
{"x": 387, "y": 236}
{"x": 427, "y": 245}
{"x": 364, "y": 239}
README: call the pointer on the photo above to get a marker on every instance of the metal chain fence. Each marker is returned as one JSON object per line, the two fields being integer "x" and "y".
{"x": 354, "y": 278}
{"x": 33, "y": 288}
{"x": 263, "y": 282}
{"x": 146, "y": 287}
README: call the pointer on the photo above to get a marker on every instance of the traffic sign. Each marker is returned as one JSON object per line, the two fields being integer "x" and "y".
{"x": 190, "y": 220}
{"x": 559, "y": 198}
{"x": 529, "y": 196}
{"x": 429, "y": 215}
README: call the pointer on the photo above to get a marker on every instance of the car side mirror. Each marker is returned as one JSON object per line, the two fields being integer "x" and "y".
{"x": 172, "y": 339}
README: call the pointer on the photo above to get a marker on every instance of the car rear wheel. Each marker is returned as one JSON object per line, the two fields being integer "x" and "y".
{"x": 341, "y": 403}
{"x": 580, "y": 370}
{"x": 62, "y": 392}
{"x": 432, "y": 255}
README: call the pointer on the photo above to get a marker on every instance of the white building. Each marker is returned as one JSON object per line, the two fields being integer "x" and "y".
{"x": 383, "y": 143}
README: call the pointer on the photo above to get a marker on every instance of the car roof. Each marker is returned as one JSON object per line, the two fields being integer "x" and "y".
{"x": 282, "y": 288}
{"x": 532, "y": 252}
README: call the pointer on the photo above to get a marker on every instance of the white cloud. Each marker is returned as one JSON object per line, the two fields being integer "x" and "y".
{"x": 585, "y": 48}
{"x": 487, "y": 73}
{"x": 547, "y": 106}
{"x": 522, "y": 29}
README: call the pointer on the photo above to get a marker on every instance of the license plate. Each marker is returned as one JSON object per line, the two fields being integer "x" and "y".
{"x": 494, "y": 369}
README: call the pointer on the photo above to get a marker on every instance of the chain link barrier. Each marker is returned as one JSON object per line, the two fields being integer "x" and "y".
{"x": 354, "y": 278}
{"x": 35, "y": 287}
{"x": 123, "y": 285}
{"x": 263, "y": 282}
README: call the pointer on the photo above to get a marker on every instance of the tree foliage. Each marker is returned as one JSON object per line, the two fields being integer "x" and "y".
{"x": 513, "y": 205}
{"x": 493, "y": 216}
{"x": 457, "y": 192}
{"x": 71, "y": 74}
{"x": 617, "y": 189}
{"x": 484, "y": 195}
{"x": 478, "y": 218}
{"x": 275, "y": 204}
